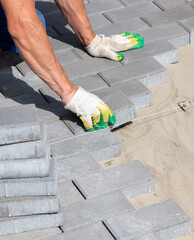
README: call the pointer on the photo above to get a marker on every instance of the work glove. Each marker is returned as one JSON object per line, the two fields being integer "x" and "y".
{"x": 109, "y": 47}
{"x": 92, "y": 111}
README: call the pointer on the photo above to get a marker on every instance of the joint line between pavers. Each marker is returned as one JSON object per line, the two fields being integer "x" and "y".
{"x": 112, "y": 235}
{"x": 103, "y": 78}
{"x": 79, "y": 190}
{"x": 144, "y": 20}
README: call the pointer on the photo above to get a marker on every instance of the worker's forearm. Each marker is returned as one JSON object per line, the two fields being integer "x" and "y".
{"x": 76, "y": 16}
{"x": 34, "y": 47}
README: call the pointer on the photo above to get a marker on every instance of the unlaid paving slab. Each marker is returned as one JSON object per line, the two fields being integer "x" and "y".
{"x": 46, "y": 186}
{"x": 136, "y": 10}
{"x": 168, "y": 4}
{"x": 25, "y": 150}
{"x": 29, "y": 223}
{"x": 148, "y": 71}
{"x": 98, "y": 6}
{"x": 89, "y": 211}
{"x": 68, "y": 194}
{"x": 168, "y": 16}
{"x": 24, "y": 206}
{"x": 93, "y": 231}
{"x": 100, "y": 144}
{"x": 188, "y": 25}
{"x": 57, "y": 131}
{"x": 77, "y": 166}
{"x": 19, "y": 124}
{"x": 166, "y": 219}
{"x": 134, "y": 90}
{"x": 124, "y": 109}
{"x": 163, "y": 51}
{"x": 131, "y": 179}
{"x": 172, "y": 32}
{"x": 25, "y": 168}
{"x": 89, "y": 67}
{"x": 134, "y": 24}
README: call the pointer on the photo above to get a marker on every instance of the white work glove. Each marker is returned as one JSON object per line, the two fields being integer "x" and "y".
{"x": 109, "y": 47}
{"x": 93, "y": 112}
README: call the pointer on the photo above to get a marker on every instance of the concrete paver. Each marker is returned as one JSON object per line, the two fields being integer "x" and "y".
{"x": 89, "y": 211}
{"x": 19, "y": 124}
{"x": 77, "y": 166}
{"x": 46, "y": 186}
{"x": 166, "y": 219}
{"x": 14, "y": 207}
{"x": 188, "y": 25}
{"x": 148, "y": 71}
{"x": 127, "y": 176}
{"x": 100, "y": 144}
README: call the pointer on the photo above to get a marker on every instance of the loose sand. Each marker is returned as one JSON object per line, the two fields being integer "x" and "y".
{"x": 162, "y": 138}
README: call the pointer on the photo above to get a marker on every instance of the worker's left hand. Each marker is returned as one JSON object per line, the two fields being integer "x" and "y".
{"x": 109, "y": 47}
{"x": 93, "y": 112}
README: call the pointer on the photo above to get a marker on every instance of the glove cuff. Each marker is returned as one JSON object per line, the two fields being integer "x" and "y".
{"x": 76, "y": 99}
{"x": 95, "y": 42}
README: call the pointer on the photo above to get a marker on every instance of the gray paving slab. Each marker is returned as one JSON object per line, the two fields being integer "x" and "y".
{"x": 46, "y": 186}
{"x": 25, "y": 168}
{"x": 32, "y": 97}
{"x": 12, "y": 83}
{"x": 148, "y": 71}
{"x": 100, "y": 144}
{"x": 124, "y": 109}
{"x": 163, "y": 51}
{"x": 134, "y": 24}
{"x": 25, "y": 150}
{"x": 24, "y": 69}
{"x": 130, "y": 177}
{"x": 134, "y": 90}
{"x": 59, "y": 45}
{"x": 188, "y": 25}
{"x": 89, "y": 67}
{"x": 93, "y": 231}
{"x": 68, "y": 194}
{"x": 24, "y": 206}
{"x": 172, "y": 32}
{"x": 90, "y": 83}
{"x": 131, "y": 2}
{"x": 82, "y": 53}
{"x": 166, "y": 219}
{"x": 57, "y": 131}
{"x": 77, "y": 166}
{"x": 98, "y": 6}
{"x": 98, "y": 20}
{"x": 149, "y": 236}
{"x": 29, "y": 223}
{"x": 19, "y": 124}
{"x": 51, "y": 111}
{"x": 168, "y": 4}
{"x": 51, "y": 32}
{"x": 89, "y": 211}
{"x": 37, "y": 234}
{"x": 67, "y": 57}
{"x": 168, "y": 16}
{"x": 136, "y": 10}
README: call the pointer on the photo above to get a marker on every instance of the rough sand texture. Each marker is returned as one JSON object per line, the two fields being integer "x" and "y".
{"x": 162, "y": 137}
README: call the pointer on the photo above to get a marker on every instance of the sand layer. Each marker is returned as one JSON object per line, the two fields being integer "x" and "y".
{"x": 162, "y": 137}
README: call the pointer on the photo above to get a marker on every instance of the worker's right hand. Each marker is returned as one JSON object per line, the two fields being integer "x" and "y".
{"x": 93, "y": 112}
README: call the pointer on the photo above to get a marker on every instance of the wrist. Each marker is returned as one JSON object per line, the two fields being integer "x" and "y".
{"x": 68, "y": 94}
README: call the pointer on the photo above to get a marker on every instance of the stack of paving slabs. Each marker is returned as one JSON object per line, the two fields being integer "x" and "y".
{"x": 28, "y": 175}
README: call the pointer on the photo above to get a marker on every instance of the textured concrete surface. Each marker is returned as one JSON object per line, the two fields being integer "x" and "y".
{"x": 127, "y": 177}
{"x": 167, "y": 219}
{"x": 125, "y": 89}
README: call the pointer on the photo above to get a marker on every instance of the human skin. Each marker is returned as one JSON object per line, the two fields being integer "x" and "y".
{"x": 31, "y": 40}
